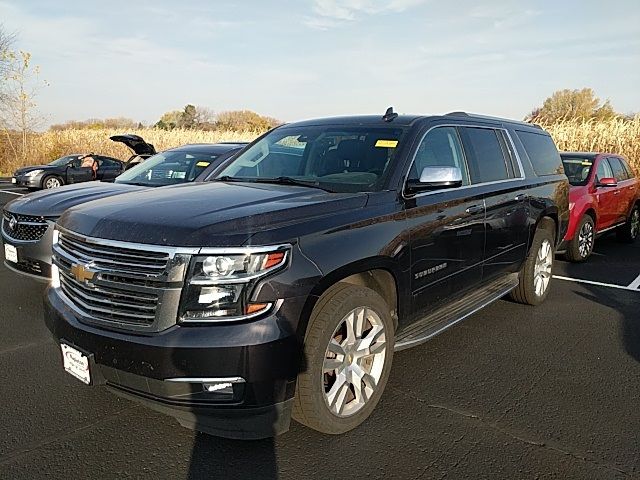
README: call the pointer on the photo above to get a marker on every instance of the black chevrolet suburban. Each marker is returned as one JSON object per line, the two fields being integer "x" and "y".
{"x": 284, "y": 287}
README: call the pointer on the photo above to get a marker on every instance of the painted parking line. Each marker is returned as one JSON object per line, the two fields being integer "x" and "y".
{"x": 599, "y": 284}
{"x": 635, "y": 284}
{"x": 10, "y": 192}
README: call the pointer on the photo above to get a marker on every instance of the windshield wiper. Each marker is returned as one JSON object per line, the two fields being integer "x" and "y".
{"x": 275, "y": 180}
{"x": 138, "y": 184}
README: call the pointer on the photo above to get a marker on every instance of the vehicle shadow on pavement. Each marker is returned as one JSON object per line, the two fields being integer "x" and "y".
{"x": 627, "y": 305}
{"x": 214, "y": 457}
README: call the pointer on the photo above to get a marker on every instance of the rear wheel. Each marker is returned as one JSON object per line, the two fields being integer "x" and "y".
{"x": 535, "y": 275}
{"x": 348, "y": 351}
{"x": 52, "y": 182}
{"x": 629, "y": 231}
{"x": 581, "y": 245}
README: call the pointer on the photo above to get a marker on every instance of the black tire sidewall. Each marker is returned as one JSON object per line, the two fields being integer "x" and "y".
{"x": 322, "y": 325}
{"x": 44, "y": 182}
{"x": 573, "y": 252}
{"x": 526, "y": 289}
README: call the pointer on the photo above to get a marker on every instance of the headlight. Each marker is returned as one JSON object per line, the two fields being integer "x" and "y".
{"x": 33, "y": 173}
{"x": 219, "y": 286}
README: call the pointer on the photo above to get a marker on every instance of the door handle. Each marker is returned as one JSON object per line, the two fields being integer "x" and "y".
{"x": 473, "y": 209}
{"x": 520, "y": 197}
{"x": 617, "y": 192}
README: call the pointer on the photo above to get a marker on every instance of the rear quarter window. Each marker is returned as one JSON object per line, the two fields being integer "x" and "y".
{"x": 543, "y": 153}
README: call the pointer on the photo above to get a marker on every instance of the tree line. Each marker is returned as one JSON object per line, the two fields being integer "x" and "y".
{"x": 189, "y": 118}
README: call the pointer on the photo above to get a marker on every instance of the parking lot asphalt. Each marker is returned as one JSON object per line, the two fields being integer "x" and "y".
{"x": 513, "y": 392}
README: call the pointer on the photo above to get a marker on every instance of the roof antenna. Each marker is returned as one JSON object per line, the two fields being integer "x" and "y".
{"x": 389, "y": 115}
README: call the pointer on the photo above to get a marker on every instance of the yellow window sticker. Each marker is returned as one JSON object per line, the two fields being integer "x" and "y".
{"x": 203, "y": 164}
{"x": 387, "y": 143}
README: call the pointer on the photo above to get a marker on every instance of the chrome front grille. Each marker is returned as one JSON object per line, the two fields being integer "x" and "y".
{"x": 23, "y": 228}
{"x": 114, "y": 258}
{"x": 120, "y": 285}
{"x": 111, "y": 304}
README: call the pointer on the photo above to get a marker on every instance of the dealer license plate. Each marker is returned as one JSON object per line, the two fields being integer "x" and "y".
{"x": 10, "y": 253}
{"x": 76, "y": 363}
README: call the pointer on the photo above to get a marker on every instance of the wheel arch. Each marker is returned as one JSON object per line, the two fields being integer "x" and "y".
{"x": 49, "y": 175}
{"x": 547, "y": 219}
{"x": 378, "y": 274}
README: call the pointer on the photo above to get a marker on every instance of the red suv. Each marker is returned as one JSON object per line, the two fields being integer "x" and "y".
{"x": 605, "y": 195}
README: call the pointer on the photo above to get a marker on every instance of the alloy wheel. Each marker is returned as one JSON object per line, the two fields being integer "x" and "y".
{"x": 585, "y": 240}
{"x": 354, "y": 361}
{"x": 542, "y": 268}
{"x": 52, "y": 183}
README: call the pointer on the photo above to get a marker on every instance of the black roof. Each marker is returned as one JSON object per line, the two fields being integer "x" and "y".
{"x": 212, "y": 148}
{"x": 368, "y": 120}
{"x": 403, "y": 120}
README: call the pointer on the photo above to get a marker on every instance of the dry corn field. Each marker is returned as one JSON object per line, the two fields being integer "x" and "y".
{"x": 617, "y": 136}
{"x": 47, "y": 146}
{"x": 612, "y": 136}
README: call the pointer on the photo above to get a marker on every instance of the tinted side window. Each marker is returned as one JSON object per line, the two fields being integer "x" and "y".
{"x": 604, "y": 170}
{"x": 630, "y": 172}
{"x": 619, "y": 172}
{"x": 484, "y": 154}
{"x": 439, "y": 148}
{"x": 107, "y": 162}
{"x": 542, "y": 152}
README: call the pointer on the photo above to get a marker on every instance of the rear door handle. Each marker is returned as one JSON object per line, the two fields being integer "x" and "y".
{"x": 520, "y": 197}
{"x": 473, "y": 209}
{"x": 617, "y": 192}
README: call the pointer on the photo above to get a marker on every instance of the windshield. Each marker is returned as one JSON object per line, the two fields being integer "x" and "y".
{"x": 577, "y": 169}
{"x": 62, "y": 161}
{"x": 168, "y": 168}
{"x": 336, "y": 158}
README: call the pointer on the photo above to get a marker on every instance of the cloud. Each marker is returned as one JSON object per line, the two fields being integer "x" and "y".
{"x": 333, "y": 13}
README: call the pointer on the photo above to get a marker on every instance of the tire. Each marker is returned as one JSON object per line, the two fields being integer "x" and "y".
{"x": 315, "y": 388}
{"x": 51, "y": 181}
{"x": 628, "y": 232}
{"x": 581, "y": 245}
{"x": 536, "y": 269}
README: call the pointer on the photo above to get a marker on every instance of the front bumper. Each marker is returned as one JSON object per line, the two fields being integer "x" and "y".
{"x": 166, "y": 370}
{"x": 27, "y": 182}
{"x": 34, "y": 257}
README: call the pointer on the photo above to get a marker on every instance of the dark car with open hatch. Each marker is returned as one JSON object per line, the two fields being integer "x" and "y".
{"x": 27, "y": 222}
{"x": 78, "y": 168}
{"x": 284, "y": 287}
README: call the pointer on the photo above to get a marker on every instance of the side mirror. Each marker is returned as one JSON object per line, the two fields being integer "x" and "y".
{"x": 607, "y": 182}
{"x": 435, "y": 178}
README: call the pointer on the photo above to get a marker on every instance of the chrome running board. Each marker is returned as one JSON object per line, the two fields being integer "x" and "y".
{"x": 452, "y": 313}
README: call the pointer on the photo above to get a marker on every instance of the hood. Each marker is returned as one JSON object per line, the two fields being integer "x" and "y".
{"x": 135, "y": 143}
{"x": 205, "y": 214}
{"x": 30, "y": 168}
{"x": 51, "y": 203}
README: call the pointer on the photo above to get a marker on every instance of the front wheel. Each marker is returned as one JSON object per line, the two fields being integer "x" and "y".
{"x": 348, "y": 353}
{"x": 629, "y": 231}
{"x": 581, "y": 245}
{"x": 535, "y": 275}
{"x": 51, "y": 182}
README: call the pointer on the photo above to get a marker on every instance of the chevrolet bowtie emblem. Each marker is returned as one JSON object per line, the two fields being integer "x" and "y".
{"x": 81, "y": 272}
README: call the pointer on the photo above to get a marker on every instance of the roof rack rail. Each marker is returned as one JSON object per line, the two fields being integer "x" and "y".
{"x": 487, "y": 117}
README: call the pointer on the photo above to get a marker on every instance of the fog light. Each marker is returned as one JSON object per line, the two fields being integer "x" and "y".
{"x": 225, "y": 388}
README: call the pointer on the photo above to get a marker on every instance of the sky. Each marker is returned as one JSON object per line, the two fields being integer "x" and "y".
{"x": 311, "y": 58}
